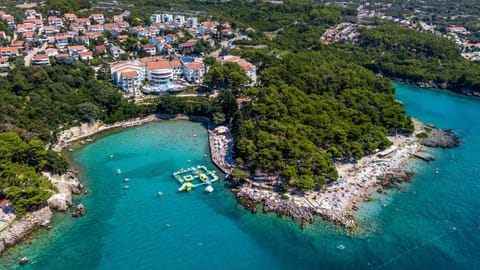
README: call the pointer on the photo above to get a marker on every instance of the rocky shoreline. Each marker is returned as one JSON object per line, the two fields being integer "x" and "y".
{"x": 357, "y": 182}
{"x": 67, "y": 184}
{"x": 444, "y": 86}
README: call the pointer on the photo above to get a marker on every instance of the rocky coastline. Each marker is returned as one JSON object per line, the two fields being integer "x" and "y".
{"x": 436, "y": 137}
{"x": 375, "y": 173}
{"x": 438, "y": 85}
{"x": 67, "y": 184}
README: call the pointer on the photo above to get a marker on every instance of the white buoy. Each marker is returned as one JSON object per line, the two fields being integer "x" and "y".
{"x": 125, "y": 179}
{"x": 125, "y": 187}
{"x": 209, "y": 188}
{"x": 119, "y": 171}
{"x": 160, "y": 194}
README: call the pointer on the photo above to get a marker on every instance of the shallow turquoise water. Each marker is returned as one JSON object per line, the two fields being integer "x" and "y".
{"x": 433, "y": 223}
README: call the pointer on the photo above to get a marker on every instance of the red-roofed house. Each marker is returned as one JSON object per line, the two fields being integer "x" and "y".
{"x": 4, "y": 62}
{"x": 457, "y": 29}
{"x": 97, "y": 28}
{"x": 150, "y": 49}
{"x": 83, "y": 21}
{"x": 50, "y": 30}
{"x": 70, "y": 17}
{"x": 101, "y": 49}
{"x": 86, "y": 56}
{"x": 117, "y": 18}
{"x": 249, "y": 68}
{"x": 8, "y": 51}
{"x": 39, "y": 60}
{"x": 193, "y": 72}
{"x": 76, "y": 50}
{"x": 25, "y": 27}
{"x": 98, "y": 17}
{"x": 9, "y": 19}
{"x": 54, "y": 20}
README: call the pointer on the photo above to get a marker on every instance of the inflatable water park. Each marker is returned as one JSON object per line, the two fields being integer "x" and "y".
{"x": 193, "y": 177}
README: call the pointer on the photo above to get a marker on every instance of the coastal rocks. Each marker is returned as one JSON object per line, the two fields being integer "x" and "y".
{"x": 397, "y": 175}
{"x": 19, "y": 229}
{"x": 67, "y": 184}
{"x": 273, "y": 203}
{"x": 436, "y": 137}
{"x": 80, "y": 210}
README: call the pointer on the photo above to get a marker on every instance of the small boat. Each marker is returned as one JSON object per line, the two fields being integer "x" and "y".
{"x": 209, "y": 189}
{"x": 119, "y": 171}
{"x": 125, "y": 179}
{"x": 125, "y": 187}
{"x": 194, "y": 135}
{"x": 341, "y": 247}
{"x": 160, "y": 194}
{"x": 111, "y": 156}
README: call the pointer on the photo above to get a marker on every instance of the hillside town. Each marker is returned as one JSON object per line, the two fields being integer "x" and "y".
{"x": 164, "y": 56}
{"x": 348, "y": 32}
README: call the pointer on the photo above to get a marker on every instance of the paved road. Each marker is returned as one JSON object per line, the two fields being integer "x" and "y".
{"x": 224, "y": 44}
{"x": 31, "y": 53}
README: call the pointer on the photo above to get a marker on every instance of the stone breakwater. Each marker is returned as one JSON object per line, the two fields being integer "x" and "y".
{"x": 19, "y": 229}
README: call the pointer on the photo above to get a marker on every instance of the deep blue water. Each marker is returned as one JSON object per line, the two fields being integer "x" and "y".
{"x": 433, "y": 223}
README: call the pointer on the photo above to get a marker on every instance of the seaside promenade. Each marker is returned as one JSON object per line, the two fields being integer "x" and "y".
{"x": 221, "y": 144}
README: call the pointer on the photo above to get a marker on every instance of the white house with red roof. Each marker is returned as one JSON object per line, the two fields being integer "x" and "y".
{"x": 54, "y": 20}
{"x": 98, "y": 17}
{"x": 39, "y": 60}
{"x": 4, "y": 62}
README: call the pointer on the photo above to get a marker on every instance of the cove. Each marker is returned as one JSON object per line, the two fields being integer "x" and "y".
{"x": 431, "y": 223}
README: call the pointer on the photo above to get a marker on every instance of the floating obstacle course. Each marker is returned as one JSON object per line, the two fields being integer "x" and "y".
{"x": 194, "y": 176}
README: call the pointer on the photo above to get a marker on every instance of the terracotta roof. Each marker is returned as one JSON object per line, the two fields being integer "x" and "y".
{"x": 176, "y": 63}
{"x": 162, "y": 64}
{"x": 129, "y": 74}
{"x": 40, "y": 57}
{"x": 194, "y": 65}
{"x": 3, "y": 60}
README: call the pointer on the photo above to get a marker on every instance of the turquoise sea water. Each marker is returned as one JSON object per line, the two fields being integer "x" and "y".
{"x": 433, "y": 223}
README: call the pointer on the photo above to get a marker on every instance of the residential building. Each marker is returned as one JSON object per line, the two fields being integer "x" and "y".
{"x": 180, "y": 20}
{"x": 9, "y": 19}
{"x": 100, "y": 49}
{"x": 156, "y": 18}
{"x": 150, "y": 49}
{"x": 117, "y": 18}
{"x": 50, "y": 30}
{"x": 74, "y": 50}
{"x": 70, "y": 17}
{"x": 98, "y": 17}
{"x": 97, "y": 28}
{"x": 4, "y": 62}
{"x": 86, "y": 56}
{"x": 249, "y": 68}
{"x": 83, "y": 21}
{"x": 50, "y": 52}
{"x": 191, "y": 22}
{"x": 166, "y": 17}
{"x": 39, "y": 60}
{"x": 193, "y": 72}
{"x": 54, "y": 20}
{"x": 25, "y": 27}
{"x": 61, "y": 41}
{"x": 128, "y": 76}
{"x": 116, "y": 51}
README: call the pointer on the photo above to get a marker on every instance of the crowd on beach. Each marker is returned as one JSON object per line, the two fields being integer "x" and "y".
{"x": 355, "y": 180}
{"x": 221, "y": 143}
